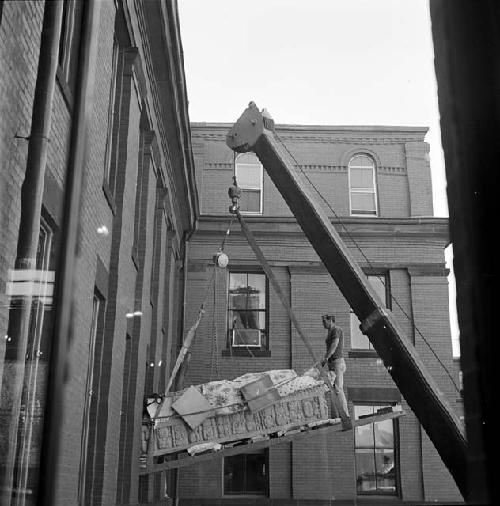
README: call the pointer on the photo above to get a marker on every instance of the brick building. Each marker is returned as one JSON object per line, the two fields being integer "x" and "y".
{"x": 137, "y": 204}
{"x": 375, "y": 184}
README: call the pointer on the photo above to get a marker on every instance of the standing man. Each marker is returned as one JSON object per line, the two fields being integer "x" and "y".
{"x": 335, "y": 359}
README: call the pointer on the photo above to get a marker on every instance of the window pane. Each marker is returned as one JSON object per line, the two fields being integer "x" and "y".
{"x": 358, "y": 340}
{"x": 363, "y": 203}
{"x": 248, "y": 319}
{"x": 237, "y": 280}
{"x": 247, "y": 310}
{"x": 245, "y": 474}
{"x": 386, "y": 471}
{"x": 256, "y": 474}
{"x": 364, "y": 436}
{"x": 361, "y": 161}
{"x": 378, "y": 284}
{"x": 365, "y": 471}
{"x": 361, "y": 178}
{"x": 248, "y": 175}
{"x": 250, "y": 201}
{"x": 361, "y": 410}
{"x": 384, "y": 436}
{"x": 234, "y": 474}
{"x": 247, "y": 158}
{"x": 258, "y": 283}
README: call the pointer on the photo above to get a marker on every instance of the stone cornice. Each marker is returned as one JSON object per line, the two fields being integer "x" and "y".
{"x": 362, "y": 134}
{"x": 357, "y": 227}
{"x": 414, "y": 269}
{"x": 366, "y": 140}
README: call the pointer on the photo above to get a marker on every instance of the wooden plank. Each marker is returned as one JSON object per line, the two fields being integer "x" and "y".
{"x": 184, "y": 459}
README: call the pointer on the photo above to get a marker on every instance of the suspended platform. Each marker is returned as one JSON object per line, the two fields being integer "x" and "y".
{"x": 223, "y": 418}
{"x": 324, "y": 427}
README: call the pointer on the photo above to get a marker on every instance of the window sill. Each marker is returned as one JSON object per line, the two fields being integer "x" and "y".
{"x": 246, "y": 353}
{"x": 363, "y": 354}
{"x": 377, "y": 497}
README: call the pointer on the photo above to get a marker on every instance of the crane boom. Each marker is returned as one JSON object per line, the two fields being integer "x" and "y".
{"x": 254, "y": 131}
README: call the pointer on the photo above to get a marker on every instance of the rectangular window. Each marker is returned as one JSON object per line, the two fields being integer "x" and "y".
{"x": 249, "y": 177}
{"x": 69, "y": 42}
{"x": 376, "y": 453}
{"x": 91, "y": 391}
{"x": 247, "y": 310}
{"x": 380, "y": 283}
{"x": 246, "y": 474}
{"x": 113, "y": 112}
{"x": 36, "y": 287}
{"x": 362, "y": 186}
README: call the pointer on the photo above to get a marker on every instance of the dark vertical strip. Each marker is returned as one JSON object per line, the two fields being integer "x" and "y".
{"x": 466, "y": 38}
{"x": 64, "y": 288}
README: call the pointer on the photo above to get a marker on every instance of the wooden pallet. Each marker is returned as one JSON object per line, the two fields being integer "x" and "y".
{"x": 183, "y": 459}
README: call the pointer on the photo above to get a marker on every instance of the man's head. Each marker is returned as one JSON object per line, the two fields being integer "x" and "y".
{"x": 328, "y": 320}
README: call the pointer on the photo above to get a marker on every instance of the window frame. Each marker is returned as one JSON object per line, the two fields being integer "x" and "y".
{"x": 354, "y": 321}
{"x": 360, "y": 191}
{"x": 263, "y": 348}
{"x": 396, "y": 450}
{"x": 113, "y": 115}
{"x": 259, "y": 188}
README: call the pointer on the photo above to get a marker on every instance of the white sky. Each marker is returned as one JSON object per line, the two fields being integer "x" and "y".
{"x": 317, "y": 62}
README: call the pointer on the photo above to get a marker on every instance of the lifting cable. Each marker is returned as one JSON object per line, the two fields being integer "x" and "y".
{"x": 358, "y": 247}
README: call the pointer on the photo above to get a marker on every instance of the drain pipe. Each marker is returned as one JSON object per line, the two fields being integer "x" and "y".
{"x": 27, "y": 243}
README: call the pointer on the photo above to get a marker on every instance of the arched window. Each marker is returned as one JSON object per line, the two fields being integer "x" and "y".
{"x": 249, "y": 178}
{"x": 362, "y": 186}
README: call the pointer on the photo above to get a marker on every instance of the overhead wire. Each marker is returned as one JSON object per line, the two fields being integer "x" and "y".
{"x": 358, "y": 247}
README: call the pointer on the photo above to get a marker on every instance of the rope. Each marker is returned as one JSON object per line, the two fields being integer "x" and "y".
{"x": 358, "y": 247}
{"x": 214, "y": 359}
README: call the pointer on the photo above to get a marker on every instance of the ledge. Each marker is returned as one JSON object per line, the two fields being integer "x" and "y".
{"x": 246, "y": 353}
{"x": 357, "y": 226}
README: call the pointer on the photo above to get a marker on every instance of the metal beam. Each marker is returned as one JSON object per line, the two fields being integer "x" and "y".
{"x": 254, "y": 131}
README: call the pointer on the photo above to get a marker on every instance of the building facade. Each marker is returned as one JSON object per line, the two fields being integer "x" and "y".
{"x": 136, "y": 206}
{"x": 375, "y": 184}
